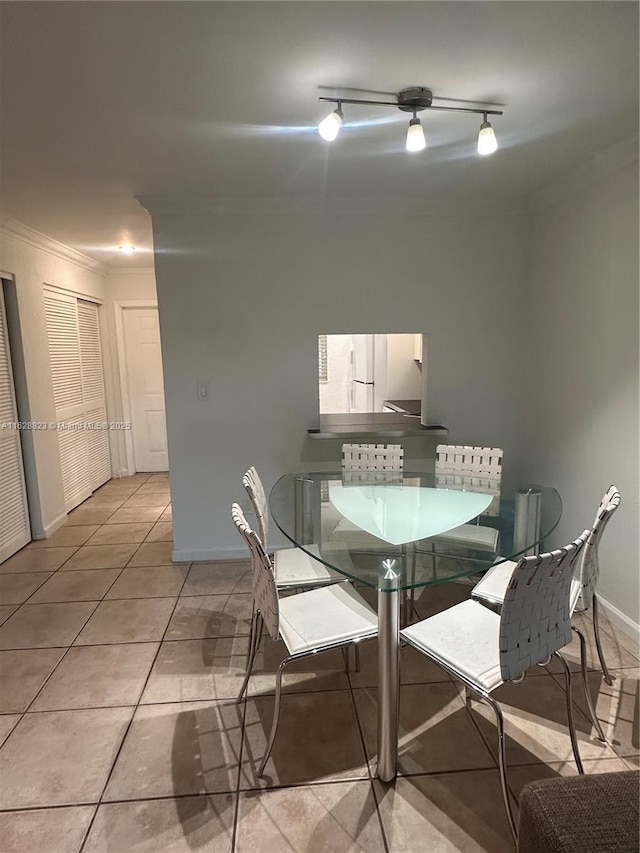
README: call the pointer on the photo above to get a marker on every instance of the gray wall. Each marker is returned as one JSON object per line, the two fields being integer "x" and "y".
{"x": 581, "y": 340}
{"x": 242, "y": 298}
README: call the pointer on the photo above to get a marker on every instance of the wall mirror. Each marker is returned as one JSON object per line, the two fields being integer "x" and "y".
{"x": 369, "y": 373}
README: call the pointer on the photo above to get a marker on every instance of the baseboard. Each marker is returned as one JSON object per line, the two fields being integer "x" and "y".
{"x": 209, "y": 555}
{"x": 628, "y": 630}
{"x": 123, "y": 472}
{"x": 53, "y": 526}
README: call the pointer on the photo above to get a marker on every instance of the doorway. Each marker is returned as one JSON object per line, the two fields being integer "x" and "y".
{"x": 142, "y": 387}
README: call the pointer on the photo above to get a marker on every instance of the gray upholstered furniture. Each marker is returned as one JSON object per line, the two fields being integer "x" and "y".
{"x": 581, "y": 814}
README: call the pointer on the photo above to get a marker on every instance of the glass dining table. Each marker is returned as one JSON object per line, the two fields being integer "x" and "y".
{"x": 397, "y": 532}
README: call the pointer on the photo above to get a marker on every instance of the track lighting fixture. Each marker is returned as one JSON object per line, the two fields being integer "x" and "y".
{"x": 412, "y": 100}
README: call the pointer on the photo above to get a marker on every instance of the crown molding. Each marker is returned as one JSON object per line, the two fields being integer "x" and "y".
{"x": 113, "y": 271}
{"x": 597, "y": 167}
{"x": 19, "y": 231}
{"x": 445, "y": 205}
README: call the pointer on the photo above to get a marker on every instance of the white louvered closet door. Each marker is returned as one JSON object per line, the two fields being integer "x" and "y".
{"x": 95, "y": 406}
{"x": 14, "y": 514}
{"x": 78, "y": 390}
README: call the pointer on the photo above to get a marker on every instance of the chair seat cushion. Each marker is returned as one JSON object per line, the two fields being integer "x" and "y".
{"x": 325, "y": 616}
{"x": 294, "y": 567}
{"x": 493, "y": 586}
{"x": 349, "y": 536}
{"x": 597, "y": 813}
{"x": 464, "y": 639}
{"x": 472, "y": 536}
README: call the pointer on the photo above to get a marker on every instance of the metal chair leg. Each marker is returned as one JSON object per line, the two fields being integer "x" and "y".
{"x": 467, "y": 697}
{"x": 254, "y": 643}
{"x": 345, "y": 657}
{"x": 596, "y": 634}
{"x": 502, "y": 760}
{"x": 572, "y": 727}
{"x": 585, "y": 684}
{"x": 276, "y": 715}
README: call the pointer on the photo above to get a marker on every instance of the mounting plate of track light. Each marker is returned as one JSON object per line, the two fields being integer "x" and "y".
{"x": 414, "y": 99}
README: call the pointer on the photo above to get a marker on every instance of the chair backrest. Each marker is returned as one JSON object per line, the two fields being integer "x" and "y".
{"x": 464, "y": 459}
{"x": 590, "y": 568}
{"x": 372, "y": 457}
{"x": 534, "y": 619}
{"x": 265, "y": 593}
{"x": 253, "y": 484}
{"x": 485, "y": 484}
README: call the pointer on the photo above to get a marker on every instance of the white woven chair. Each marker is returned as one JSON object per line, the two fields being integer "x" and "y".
{"x": 484, "y": 649}
{"x": 363, "y": 465}
{"x": 372, "y": 457}
{"x": 473, "y": 469}
{"x": 293, "y": 568}
{"x": 493, "y": 586}
{"x": 309, "y": 622}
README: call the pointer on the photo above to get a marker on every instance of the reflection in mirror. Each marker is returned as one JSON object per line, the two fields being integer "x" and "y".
{"x": 368, "y": 373}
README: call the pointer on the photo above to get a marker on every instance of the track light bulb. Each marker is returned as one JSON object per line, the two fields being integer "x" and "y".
{"x": 330, "y": 126}
{"x": 487, "y": 142}
{"x": 415, "y": 136}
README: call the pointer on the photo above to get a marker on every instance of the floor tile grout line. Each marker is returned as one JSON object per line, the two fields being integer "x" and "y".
{"x": 34, "y": 591}
{"x": 144, "y": 687}
{"x": 292, "y": 786}
{"x": 359, "y": 725}
{"x": 23, "y": 713}
{"x": 127, "y": 730}
{"x": 70, "y": 646}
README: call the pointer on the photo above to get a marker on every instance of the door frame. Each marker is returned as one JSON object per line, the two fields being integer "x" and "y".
{"x": 120, "y": 306}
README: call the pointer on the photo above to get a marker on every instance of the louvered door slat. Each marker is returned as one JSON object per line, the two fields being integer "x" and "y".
{"x": 74, "y": 462}
{"x": 64, "y": 350}
{"x": 98, "y": 448}
{"x": 14, "y": 515}
{"x": 90, "y": 353}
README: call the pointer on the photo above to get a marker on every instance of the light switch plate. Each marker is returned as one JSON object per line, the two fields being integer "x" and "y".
{"x": 202, "y": 391}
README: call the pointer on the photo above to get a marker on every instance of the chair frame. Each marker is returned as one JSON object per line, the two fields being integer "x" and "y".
{"x": 265, "y": 590}
{"x": 536, "y": 581}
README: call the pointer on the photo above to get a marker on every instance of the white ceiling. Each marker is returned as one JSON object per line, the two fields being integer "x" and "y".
{"x": 105, "y": 101}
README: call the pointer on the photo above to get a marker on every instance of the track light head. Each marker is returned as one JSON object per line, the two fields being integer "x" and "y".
{"x": 487, "y": 142}
{"x": 329, "y": 127}
{"x": 415, "y": 136}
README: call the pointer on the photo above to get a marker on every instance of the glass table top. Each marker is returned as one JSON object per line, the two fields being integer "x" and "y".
{"x": 397, "y": 530}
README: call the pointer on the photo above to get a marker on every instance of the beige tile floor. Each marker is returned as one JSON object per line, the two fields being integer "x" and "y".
{"x": 118, "y": 671}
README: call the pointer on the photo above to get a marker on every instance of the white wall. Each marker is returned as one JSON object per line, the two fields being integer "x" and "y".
{"x": 581, "y": 342}
{"x": 404, "y": 376}
{"x": 32, "y": 267}
{"x": 241, "y": 306}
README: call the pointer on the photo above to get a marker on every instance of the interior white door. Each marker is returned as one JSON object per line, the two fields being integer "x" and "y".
{"x": 14, "y": 514}
{"x": 143, "y": 358}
